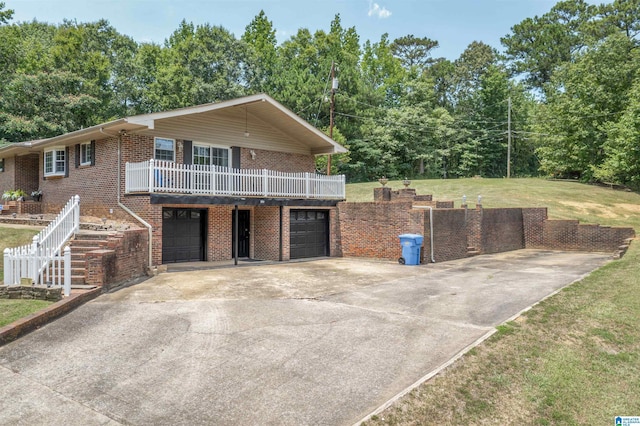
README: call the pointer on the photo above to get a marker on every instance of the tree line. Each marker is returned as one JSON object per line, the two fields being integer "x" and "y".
{"x": 564, "y": 92}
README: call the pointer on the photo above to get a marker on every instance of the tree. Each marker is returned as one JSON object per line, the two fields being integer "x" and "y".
{"x": 199, "y": 65}
{"x": 622, "y": 148}
{"x": 538, "y": 46}
{"x": 5, "y": 15}
{"x": 586, "y": 97}
{"x": 414, "y": 51}
{"x": 43, "y": 105}
{"x": 261, "y": 37}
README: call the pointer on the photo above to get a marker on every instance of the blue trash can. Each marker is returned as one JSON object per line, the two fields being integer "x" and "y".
{"x": 410, "y": 244}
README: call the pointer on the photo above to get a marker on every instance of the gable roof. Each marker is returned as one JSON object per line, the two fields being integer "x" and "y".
{"x": 264, "y": 109}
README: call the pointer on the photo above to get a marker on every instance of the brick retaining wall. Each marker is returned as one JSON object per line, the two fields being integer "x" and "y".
{"x": 372, "y": 229}
{"x": 124, "y": 258}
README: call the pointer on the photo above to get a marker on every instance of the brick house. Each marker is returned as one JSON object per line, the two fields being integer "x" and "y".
{"x": 234, "y": 179}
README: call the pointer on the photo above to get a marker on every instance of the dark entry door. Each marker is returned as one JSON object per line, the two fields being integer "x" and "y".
{"x": 244, "y": 232}
{"x": 183, "y": 235}
{"x": 309, "y": 230}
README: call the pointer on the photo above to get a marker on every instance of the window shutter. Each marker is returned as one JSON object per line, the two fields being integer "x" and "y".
{"x": 235, "y": 157}
{"x": 187, "y": 152}
{"x": 93, "y": 153}
{"x": 66, "y": 162}
{"x": 77, "y": 155}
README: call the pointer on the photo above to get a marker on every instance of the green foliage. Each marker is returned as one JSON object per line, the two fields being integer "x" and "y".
{"x": 401, "y": 111}
{"x": 5, "y": 15}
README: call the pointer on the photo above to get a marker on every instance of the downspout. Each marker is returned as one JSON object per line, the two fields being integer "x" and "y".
{"x": 433, "y": 260}
{"x": 280, "y": 236}
{"x": 127, "y": 209}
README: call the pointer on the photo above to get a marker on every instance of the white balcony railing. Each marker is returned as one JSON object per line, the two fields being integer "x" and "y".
{"x": 166, "y": 176}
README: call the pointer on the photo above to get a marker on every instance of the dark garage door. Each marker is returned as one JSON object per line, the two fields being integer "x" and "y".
{"x": 309, "y": 230}
{"x": 183, "y": 236}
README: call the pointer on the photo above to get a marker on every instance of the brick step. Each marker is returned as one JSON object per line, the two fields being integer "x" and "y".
{"x": 77, "y": 279}
{"x": 83, "y": 249}
{"x": 472, "y": 251}
{"x": 88, "y": 243}
{"x": 77, "y": 263}
{"x": 84, "y": 235}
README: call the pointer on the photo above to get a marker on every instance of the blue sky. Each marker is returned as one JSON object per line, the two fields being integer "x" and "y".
{"x": 453, "y": 23}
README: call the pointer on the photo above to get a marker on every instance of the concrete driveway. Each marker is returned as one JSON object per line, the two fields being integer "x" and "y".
{"x": 318, "y": 343}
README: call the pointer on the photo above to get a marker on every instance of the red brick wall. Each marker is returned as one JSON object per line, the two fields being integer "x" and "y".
{"x": 449, "y": 235}
{"x": 533, "y": 222}
{"x": 220, "y": 234}
{"x": 124, "y": 258}
{"x": 28, "y": 207}
{"x": 96, "y": 185}
{"x": 266, "y": 235}
{"x": 27, "y": 173}
{"x": 279, "y": 161}
{"x": 502, "y": 230}
{"x": 8, "y": 177}
{"x": 570, "y": 235}
{"x": 372, "y": 229}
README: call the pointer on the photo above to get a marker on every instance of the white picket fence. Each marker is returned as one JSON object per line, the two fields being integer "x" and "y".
{"x": 167, "y": 176}
{"x": 44, "y": 260}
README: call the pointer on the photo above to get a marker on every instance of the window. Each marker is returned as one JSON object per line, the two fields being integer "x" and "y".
{"x": 210, "y": 155}
{"x": 55, "y": 162}
{"x": 164, "y": 149}
{"x": 220, "y": 157}
{"x": 201, "y": 155}
{"x": 86, "y": 154}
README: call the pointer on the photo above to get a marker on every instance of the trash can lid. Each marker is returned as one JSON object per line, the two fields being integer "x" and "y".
{"x": 412, "y": 236}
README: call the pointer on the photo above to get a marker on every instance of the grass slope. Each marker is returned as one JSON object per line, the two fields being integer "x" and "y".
{"x": 565, "y": 200}
{"x": 573, "y": 359}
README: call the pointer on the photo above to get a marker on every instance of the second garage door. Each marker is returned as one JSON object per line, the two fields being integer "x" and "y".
{"x": 309, "y": 231}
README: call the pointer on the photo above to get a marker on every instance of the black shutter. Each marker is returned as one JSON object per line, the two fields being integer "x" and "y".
{"x": 77, "y": 155}
{"x": 187, "y": 152}
{"x": 235, "y": 157}
{"x": 66, "y": 162}
{"x": 93, "y": 153}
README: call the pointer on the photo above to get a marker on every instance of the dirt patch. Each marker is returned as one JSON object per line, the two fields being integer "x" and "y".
{"x": 633, "y": 208}
{"x": 586, "y": 208}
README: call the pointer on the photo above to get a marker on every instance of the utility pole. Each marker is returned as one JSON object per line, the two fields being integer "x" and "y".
{"x": 332, "y": 106}
{"x": 509, "y": 139}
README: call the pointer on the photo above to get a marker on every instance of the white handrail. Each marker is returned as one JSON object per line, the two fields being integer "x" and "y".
{"x": 42, "y": 260}
{"x": 166, "y": 176}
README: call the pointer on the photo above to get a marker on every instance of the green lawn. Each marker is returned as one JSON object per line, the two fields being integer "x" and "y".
{"x": 565, "y": 200}
{"x": 14, "y": 237}
{"x": 573, "y": 359}
{"x": 11, "y": 310}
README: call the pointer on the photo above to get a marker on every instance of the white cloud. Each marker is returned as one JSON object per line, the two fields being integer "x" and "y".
{"x": 380, "y": 11}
